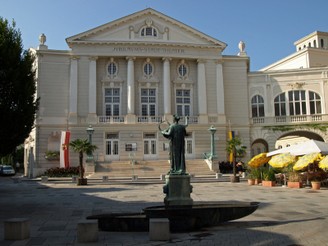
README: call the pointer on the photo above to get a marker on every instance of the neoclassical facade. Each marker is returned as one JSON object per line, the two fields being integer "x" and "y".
{"x": 126, "y": 77}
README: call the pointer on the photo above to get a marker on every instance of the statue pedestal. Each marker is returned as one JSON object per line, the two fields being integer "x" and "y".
{"x": 177, "y": 190}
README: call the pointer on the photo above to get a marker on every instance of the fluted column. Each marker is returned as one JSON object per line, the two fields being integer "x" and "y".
{"x": 167, "y": 86}
{"x": 92, "y": 115}
{"x": 201, "y": 81}
{"x": 73, "y": 91}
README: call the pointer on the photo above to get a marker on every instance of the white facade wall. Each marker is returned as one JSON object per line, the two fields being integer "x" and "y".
{"x": 71, "y": 87}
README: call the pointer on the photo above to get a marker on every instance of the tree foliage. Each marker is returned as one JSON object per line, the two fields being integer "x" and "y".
{"x": 235, "y": 147}
{"x": 18, "y": 104}
{"x": 82, "y": 146}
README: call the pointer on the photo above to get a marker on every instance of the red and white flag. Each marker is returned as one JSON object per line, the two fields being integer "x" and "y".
{"x": 64, "y": 149}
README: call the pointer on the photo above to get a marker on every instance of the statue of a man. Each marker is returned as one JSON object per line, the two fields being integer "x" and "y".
{"x": 176, "y": 133}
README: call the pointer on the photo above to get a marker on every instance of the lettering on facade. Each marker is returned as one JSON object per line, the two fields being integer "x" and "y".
{"x": 149, "y": 50}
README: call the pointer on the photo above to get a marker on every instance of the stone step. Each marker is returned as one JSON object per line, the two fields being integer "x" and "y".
{"x": 151, "y": 168}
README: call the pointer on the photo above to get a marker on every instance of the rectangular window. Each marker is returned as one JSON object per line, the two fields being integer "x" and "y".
{"x": 183, "y": 102}
{"x": 148, "y": 102}
{"x": 112, "y": 101}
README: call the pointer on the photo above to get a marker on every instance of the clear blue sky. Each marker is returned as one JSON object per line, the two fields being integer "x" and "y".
{"x": 269, "y": 28}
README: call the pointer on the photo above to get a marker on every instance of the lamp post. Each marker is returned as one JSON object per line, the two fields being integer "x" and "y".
{"x": 212, "y": 129}
{"x": 90, "y": 131}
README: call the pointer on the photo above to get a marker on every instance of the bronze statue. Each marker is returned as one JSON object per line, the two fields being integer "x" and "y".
{"x": 176, "y": 133}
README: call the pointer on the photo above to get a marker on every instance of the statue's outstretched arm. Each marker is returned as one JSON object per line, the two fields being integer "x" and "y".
{"x": 186, "y": 121}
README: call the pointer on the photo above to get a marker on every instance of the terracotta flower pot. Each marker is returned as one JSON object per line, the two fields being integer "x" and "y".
{"x": 316, "y": 185}
{"x": 251, "y": 181}
{"x": 258, "y": 181}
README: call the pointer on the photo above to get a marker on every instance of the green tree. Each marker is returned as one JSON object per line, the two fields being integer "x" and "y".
{"x": 82, "y": 146}
{"x": 18, "y": 104}
{"x": 235, "y": 147}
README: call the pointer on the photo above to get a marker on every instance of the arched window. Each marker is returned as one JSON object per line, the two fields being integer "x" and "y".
{"x": 257, "y": 106}
{"x": 315, "y": 103}
{"x": 148, "y": 32}
{"x": 314, "y": 43}
{"x": 280, "y": 105}
{"x": 322, "y": 43}
{"x": 297, "y": 102}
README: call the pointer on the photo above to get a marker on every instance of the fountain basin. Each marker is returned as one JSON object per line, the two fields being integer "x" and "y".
{"x": 182, "y": 218}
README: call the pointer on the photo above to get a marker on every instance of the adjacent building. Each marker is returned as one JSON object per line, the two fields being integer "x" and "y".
{"x": 127, "y": 78}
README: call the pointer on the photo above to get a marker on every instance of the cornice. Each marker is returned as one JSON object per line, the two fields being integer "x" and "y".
{"x": 160, "y": 44}
{"x": 289, "y": 72}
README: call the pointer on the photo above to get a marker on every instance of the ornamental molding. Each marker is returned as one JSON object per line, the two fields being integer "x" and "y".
{"x": 296, "y": 85}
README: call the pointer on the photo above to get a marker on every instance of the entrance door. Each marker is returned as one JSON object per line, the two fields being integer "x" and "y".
{"x": 112, "y": 144}
{"x": 150, "y": 146}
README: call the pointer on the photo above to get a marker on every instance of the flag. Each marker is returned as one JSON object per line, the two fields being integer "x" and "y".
{"x": 231, "y": 135}
{"x": 64, "y": 149}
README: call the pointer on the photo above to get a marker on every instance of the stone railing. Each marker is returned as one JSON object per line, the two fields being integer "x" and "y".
{"x": 143, "y": 119}
{"x": 292, "y": 119}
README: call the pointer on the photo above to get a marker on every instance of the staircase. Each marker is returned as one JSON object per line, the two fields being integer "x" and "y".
{"x": 151, "y": 168}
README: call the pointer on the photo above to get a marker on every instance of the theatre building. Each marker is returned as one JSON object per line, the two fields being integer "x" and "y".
{"x": 125, "y": 77}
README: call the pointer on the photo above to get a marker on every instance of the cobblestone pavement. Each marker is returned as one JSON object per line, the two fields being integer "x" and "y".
{"x": 285, "y": 216}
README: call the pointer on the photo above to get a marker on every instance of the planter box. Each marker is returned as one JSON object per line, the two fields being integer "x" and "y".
{"x": 234, "y": 179}
{"x": 83, "y": 181}
{"x": 268, "y": 183}
{"x": 251, "y": 181}
{"x": 294, "y": 184}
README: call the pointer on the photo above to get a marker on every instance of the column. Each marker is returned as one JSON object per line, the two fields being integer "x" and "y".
{"x": 220, "y": 92}
{"x": 72, "y": 117}
{"x": 202, "y": 97}
{"x": 92, "y": 115}
{"x": 167, "y": 86}
{"x": 130, "y": 90}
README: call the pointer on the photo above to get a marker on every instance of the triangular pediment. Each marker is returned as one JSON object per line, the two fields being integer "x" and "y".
{"x": 147, "y": 26}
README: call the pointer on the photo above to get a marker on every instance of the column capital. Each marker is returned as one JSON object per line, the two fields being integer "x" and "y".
{"x": 164, "y": 59}
{"x": 201, "y": 61}
{"x": 93, "y": 58}
{"x": 74, "y": 57}
{"x": 219, "y": 61}
{"x": 130, "y": 58}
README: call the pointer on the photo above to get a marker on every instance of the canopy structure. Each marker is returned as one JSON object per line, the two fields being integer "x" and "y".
{"x": 311, "y": 146}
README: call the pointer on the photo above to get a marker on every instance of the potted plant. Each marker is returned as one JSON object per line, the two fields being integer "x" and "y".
{"x": 235, "y": 148}
{"x": 82, "y": 146}
{"x": 316, "y": 177}
{"x": 257, "y": 174}
{"x": 251, "y": 175}
{"x": 269, "y": 178}
{"x": 294, "y": 180}
{"x": 52, "y": 155}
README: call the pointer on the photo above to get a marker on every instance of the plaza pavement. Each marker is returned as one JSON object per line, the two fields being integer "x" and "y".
{"x": 285, "y": 216}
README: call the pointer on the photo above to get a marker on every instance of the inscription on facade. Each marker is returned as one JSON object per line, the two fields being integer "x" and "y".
{"x": 149, "y": 50}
